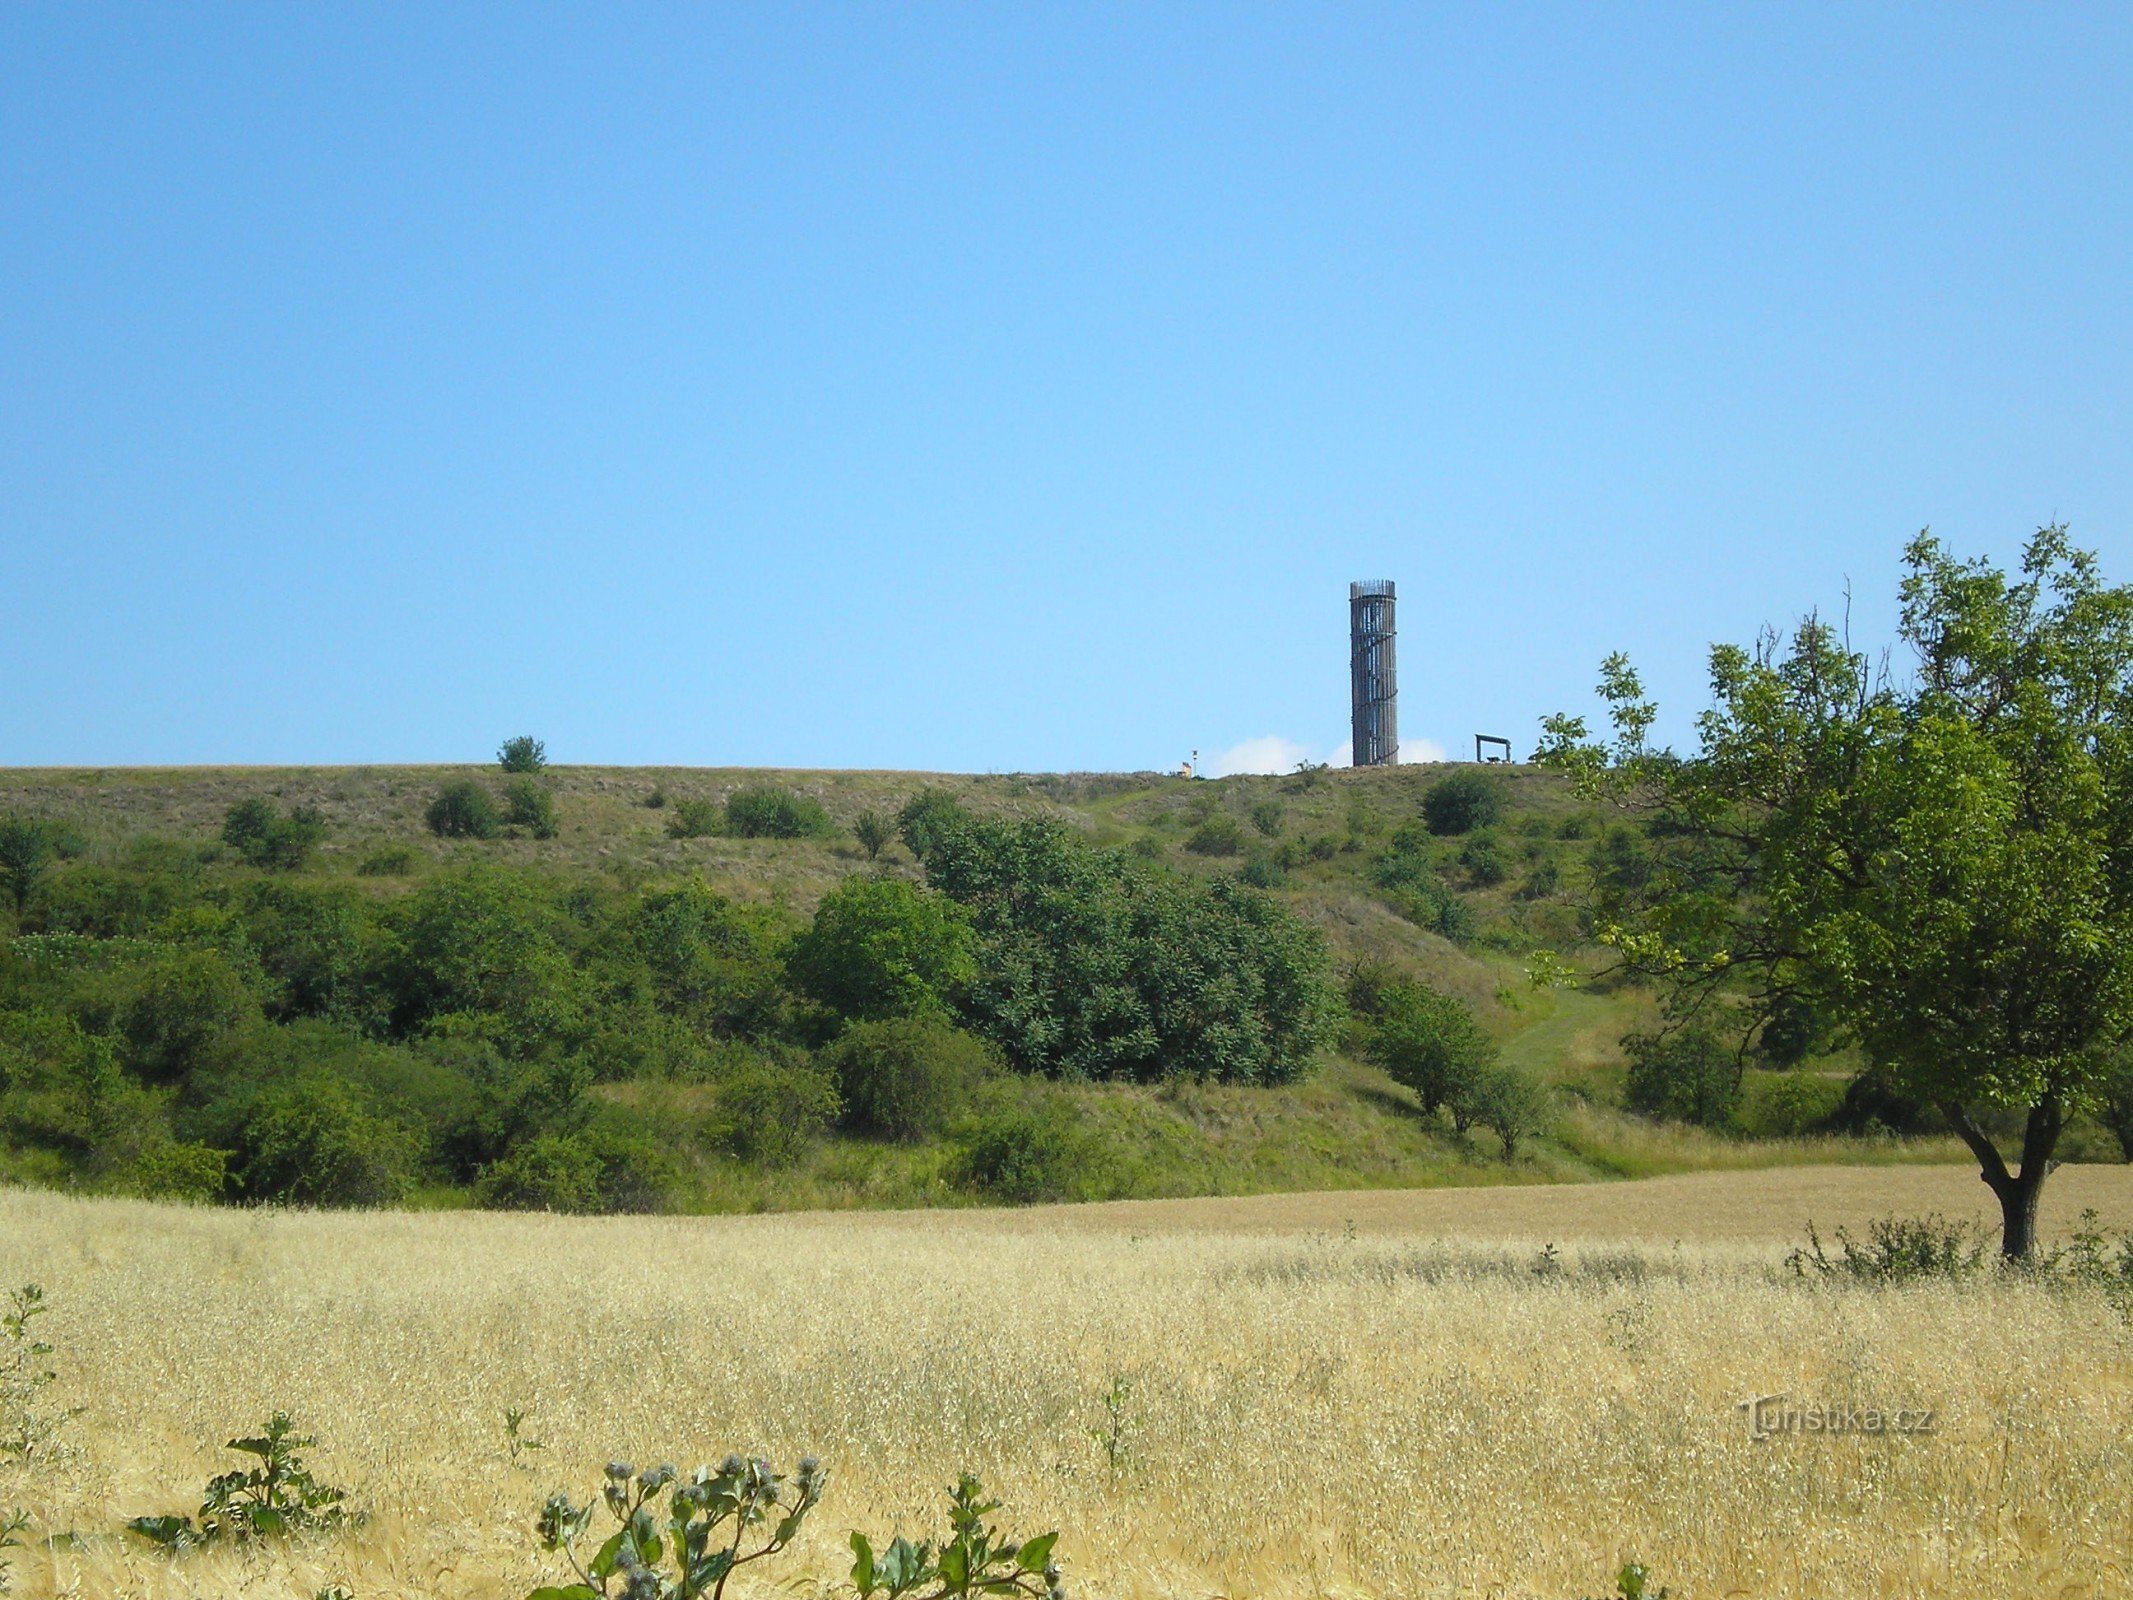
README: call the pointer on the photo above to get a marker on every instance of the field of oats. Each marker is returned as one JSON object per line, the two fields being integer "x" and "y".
{"x": 1389, "y": 1394}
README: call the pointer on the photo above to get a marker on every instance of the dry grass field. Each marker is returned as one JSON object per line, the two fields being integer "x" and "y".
{"x": 1345, "y": 1394}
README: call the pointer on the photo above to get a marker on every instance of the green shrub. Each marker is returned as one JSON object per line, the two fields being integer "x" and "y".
{"x": 169, "y": 1170}
{"x": 313, "y": 1143}
{"x": 1686, "y": 1074}
{"x": 277, "y": 1496}
{"x": 1508, "y": 1102}
{"x": 26, "y": 852}
{"x": 266, "y": 838}
{"x": 1025, "y": 1154}
{"x": 686, "y": 1550}
{"x": 770, "y": 1113}
{"x": 1460, "y": 802}
{"x": 873, "y": 831}
{"x": 695, "y": 819}
{"x": 657, "y": 798}
{"x": 523, "y": 754}
{"x": 768, "y": 812}
{"x": 1428, "y": 1041}
{"x": 595, "y": 1169}
{"x": 881, "y": 947}
{"x": 1789, "y": 1105}
{"x": 1484, "y": 862}
{"x": 389, "y": 861}
{"x": 1266, "y": 817}
{"x": 463, "y": 809}
{"x": 1895, "y": 1250}
{"x": 530, "y": 806}
{"x": 1262, "y": 870}
{"x": 927, "y": 817}
{"x": 2116, "y": 1107}
{"x": 906, "y": 1077}
{"x": 1217, "y": 836}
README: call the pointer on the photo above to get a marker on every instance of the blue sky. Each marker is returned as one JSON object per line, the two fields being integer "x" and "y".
{"x": 1013, "y": 387}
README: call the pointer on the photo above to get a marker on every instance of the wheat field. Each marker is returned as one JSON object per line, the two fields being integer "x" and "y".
{"x": 1322, "y": 1401}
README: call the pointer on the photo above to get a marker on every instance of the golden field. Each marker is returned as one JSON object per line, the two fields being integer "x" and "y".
{"x": 1339, "y": 1394}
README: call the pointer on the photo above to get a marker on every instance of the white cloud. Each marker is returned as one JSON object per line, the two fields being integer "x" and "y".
{"x": 1267, "y": 753}
{"x": 1272, "y": 753}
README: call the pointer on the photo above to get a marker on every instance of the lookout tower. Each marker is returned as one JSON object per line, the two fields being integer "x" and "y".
{"x": 1373, "y": 692}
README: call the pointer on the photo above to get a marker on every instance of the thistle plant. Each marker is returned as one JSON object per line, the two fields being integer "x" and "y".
{"x": 714, "y": 1523}
{"x": 278, "y": 1495}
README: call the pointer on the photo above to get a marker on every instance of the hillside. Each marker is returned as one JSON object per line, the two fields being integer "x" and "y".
{"x": 141, "y": 858}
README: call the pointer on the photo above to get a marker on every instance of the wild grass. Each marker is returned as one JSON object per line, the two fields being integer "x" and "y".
{"x": 1367, "y": 1411}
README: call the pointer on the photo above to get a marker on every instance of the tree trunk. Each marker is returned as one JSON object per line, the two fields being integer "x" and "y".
{"x": 2018, "y": 1192}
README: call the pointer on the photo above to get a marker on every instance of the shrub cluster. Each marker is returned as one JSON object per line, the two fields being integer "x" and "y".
{"x": 1431, "y": 1043}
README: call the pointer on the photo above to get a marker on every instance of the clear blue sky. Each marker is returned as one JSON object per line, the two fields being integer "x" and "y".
{"x": 1013, "y": 387}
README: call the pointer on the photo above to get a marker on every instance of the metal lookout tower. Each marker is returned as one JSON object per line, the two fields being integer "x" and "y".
{"x": 1373, "y": 689}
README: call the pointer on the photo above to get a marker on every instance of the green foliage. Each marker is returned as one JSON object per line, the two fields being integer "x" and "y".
{"x": 518, "y": 1444}
{"x": 28, "y": 1431}
{"x": 1408, "y": 869}
{"x": 1937, "y": 863}
{"x": 523, "y": 754}
{"x": 1484, "y": 862}
{"x": 463, "y": 809}
{"x": 905, "y": 1077}
{"x": 1510, "y": 1103}
{"x": 171, "y": 1170}
{"x": 1024, "y": 1154}
{"x": 276, "y": 1495}
{"x": 2114, "y": 1104}
{"x": 530, "y": 807}
{"x": 1428, "y": 1041}
{"x": 695, "y": 819}
{"x": 487, "y": 942}
{"x": 1089, "y": 967}
{"x": 1217, "y": 836}
{"x": 927, "y": 817}
{"x": 389, "y": 861}
{"x": 881, "y": 947}
{"x": 769, "y": 812}
{"x": 770, "y": 1112}
{"x": 25, "y": 855}
{"x": 1686, "y": 1074}
{"x": 13, "y": 1524}
{"x": 1121, "y": 1422}
{"x": 873, "y": 831}
{"x": 1632, "y": 1583}
{"x": 1895, "y": 1250}
{"x": 1460, "y": 802}
{"x": 1262, "y": 869}
{"x": 582, "y": 1171}
{"x": 975, "y": 1559}
{"x": 1266, "y": 817}
{"x": 267, "y": 838}
{"x": 315, "y": 1143}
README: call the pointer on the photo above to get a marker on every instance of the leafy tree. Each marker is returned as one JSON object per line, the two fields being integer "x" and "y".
{"x": 769, "y": 812}
{"x": 770, "y": 1113}
{"x": 873, "y": 831}
{"x": 314, "y": 1143}
{"x": 695, "y": 819}
{"x": 904, "y": 1077}
{"x": 530, "y": 806}
{"x": 487, "y": 944}
{"x": 2115, "y": 1106}
{"x": 1687, "y": 1074}
{"x": 881, "y": 947}
{"x": 524, "y": 754}
{"x": 926, "y": 817}
{"x": 1266, "y": 817}
{"x": 1090, "y": 967}
{"x": 1510, "y": 1103}
{"x": 1427, "y": 1040}
{"x": 267, "y": 838}
{"x": 463, "y": 810}
{"x": 25, "y": 855}
{"x": 1460, "y": 802}
{"x": 1943, "y": 864}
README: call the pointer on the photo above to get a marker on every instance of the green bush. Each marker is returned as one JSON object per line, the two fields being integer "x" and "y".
{"x": 881, "y": 947}
{"x": 277, "y": 1496}
{"x": 1789, "y": 1105}
{"x": 1262, "y": 870}
{"x": 26, "y": 852}
{"x": 463, "y": 809}
{"x": 266, "y": 838}
{"x": 1461, "y": 802}
{"x": 1025, "y": 1154}
{"x": 695, "y": 819}
{"x": 768, "y": 812}
{"x": 1428, "y": 1041}
{"x": 927, "y": 817}
{"x": 1217, "y": 836}
{"x": 1508, "y": 1102}
{"x": 583, "y": 1171}
{"x": 1686, "y": 1074}
{"x": 312, "y": 1143}
{"x": 529, "y": 806}
{"x": 771, "y": 1113}
{"x": 1266, "y": 817}
{"x": 1484, "y": 862}
{"x": 523, "y": 754}
{"x": 389, "y": 861}
{"x": 873, "y": 831}
{"x": 905, "y": 1077}
{"x": 169, "y": 1170}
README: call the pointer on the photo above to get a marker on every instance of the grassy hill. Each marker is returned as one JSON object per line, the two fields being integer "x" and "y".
{"x": 1316, "y": 841}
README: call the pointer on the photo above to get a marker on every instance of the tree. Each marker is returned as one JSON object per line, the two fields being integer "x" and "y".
{"x": 768, "y": 812}
{"x": 881, "y": 947}
{"x": 524, "y": 754}
{"x": 1427, "y": 1040}
{"x": 266, "y": 838}
{"x": 1462, "y": 802}
{"x": 25, "y": 855}
{"x": 1942, "y": 866}
{"x": 463, "y": 810}
{"x": 1685, "y": 1073}
{"x": 1510, "y": 1104}
{"x": 529, "y": 806}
